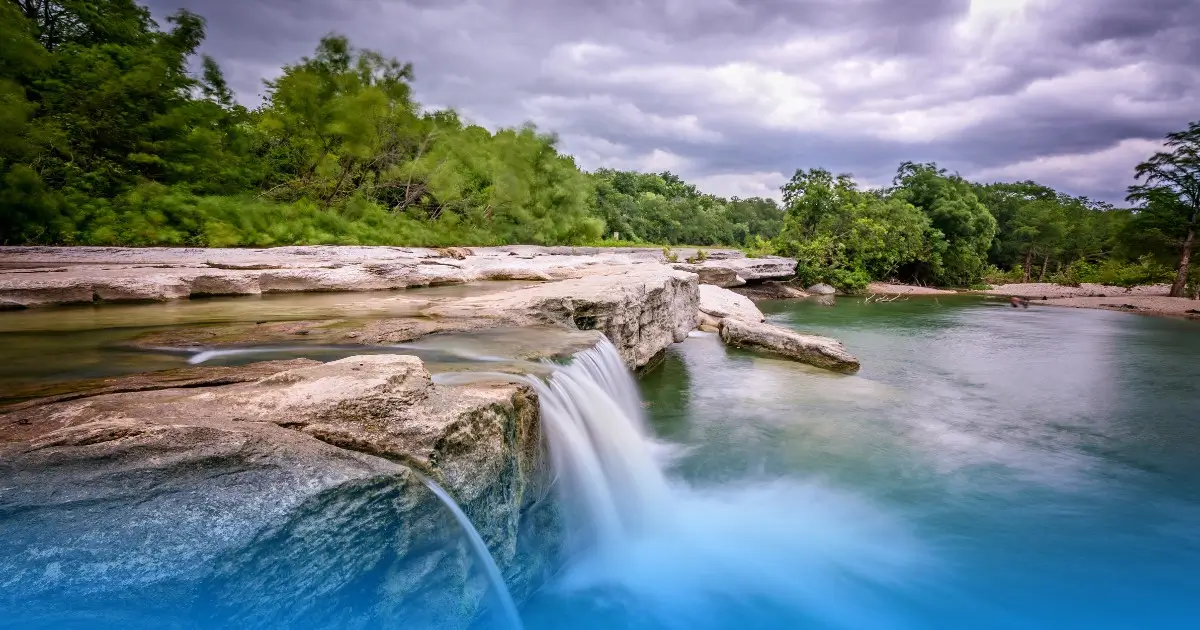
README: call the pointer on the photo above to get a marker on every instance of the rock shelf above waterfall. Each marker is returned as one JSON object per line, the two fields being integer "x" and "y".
{"x": 43, "y": 276}
{"x": 316, "y": 457}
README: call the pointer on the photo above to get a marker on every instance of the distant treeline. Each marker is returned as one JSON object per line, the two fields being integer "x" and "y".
{"x": 113, "y": 132}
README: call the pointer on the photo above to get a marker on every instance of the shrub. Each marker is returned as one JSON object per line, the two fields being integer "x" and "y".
{"x": 993, "y": 275}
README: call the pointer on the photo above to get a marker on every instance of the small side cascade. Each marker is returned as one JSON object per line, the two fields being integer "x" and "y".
{"x": 611, "y": 485}
{"x": 507, "y": 605}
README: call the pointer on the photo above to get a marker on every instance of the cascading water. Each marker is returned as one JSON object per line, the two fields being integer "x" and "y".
{"x": 612, "y": 486}
{"x": 676, "y": 550}
{"x": 508, "y": 607}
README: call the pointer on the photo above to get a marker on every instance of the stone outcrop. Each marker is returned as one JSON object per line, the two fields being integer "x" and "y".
{"x": 737, "y": 271}
{"x": 247, "y": 499}
{"x": 717, "y": 276}
{"x": 720, "y": 303}
{"x": 754, "y": 269}
{"x": 771, "y": 290}
{"x": 821, "y": 289}
{"x": 642, "y": 311}
{"x": 42, "y": 276}
{"x": 822, "y": 352}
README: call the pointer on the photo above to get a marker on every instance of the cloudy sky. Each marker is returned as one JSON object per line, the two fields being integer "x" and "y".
{"x": 735, "y": 95}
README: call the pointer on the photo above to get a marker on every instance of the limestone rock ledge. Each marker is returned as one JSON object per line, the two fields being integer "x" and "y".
{"x": 718, "y": 303}
{"x": 42, "y": 276}
{"x": 641, "y": 310}
{"x": 822, "y": 352}
{"x": 243, "y": 501}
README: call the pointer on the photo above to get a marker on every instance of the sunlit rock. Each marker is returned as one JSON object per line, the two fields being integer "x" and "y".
{"x": 822, "y": 352}
{"x": 721, "y": 303}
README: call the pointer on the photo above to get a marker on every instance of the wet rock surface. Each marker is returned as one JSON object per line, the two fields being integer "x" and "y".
{"x": 224, "y": 495}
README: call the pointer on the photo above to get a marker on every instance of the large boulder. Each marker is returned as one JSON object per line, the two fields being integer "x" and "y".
{"x": 292, "y": 498}
{"x": 822, "y": 352}
{"x": 642, "y": 310}
{"x": 721, "y": 303}
{"x": 771, "y": 290}
{"x": 821, "y": 289}
{"x": 712, "y": 274}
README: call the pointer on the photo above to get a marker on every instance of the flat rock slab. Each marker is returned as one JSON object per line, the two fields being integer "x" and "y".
{"x": 240, "y": 501}
{"x": 42, "y": 276}
{"x": 190, "y": 377}
{"x": 771, "y": 290}
{"x": 721, "y": 303}
{"x": 642, "y": 310}
{"x": 822, "y": 352}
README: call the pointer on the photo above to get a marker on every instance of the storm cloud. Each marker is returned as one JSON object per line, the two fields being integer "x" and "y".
{"x": 736, "y": 94}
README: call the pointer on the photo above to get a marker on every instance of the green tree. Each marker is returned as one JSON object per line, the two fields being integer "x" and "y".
{"x": 962, "y": 227}
{"x": 844, "y": 236}
{"x": 1170, "y": 196}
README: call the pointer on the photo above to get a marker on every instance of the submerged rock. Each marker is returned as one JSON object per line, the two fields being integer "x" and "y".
{"x": 720, "y": 303}
{"x": 822, "y": 352}
{"x": 241, "y": 503}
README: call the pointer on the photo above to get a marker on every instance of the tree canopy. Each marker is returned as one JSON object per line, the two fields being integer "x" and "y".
{"x": 114, "y": 131}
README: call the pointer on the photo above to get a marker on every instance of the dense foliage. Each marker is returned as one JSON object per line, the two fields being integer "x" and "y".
{"x": 661, "y": 208}
{"x": 114, "y": 132}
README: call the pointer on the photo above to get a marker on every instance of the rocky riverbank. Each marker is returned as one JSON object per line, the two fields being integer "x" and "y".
{"x": 45, "y": 276}
{"x": 153, "y": 486}
{"x": 1145, "y": 300}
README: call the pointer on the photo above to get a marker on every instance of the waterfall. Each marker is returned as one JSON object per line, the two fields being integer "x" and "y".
{"x": 687, "y": 554}
{"x": 610, "y": 481}
{"x": 612, "y": 487}
{"x": 489, "y": 564}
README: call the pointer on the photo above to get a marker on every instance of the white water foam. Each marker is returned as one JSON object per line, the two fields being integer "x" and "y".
{"x": 678, "y": 551}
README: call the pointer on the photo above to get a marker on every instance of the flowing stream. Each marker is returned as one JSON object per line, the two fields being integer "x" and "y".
{"x": 496, "y": 580}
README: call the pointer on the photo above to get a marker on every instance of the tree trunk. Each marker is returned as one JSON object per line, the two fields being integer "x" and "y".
{"x": 1181, "y": 275}
{"x": 1045, "y": 262}
{"x": 1028, "y": 264}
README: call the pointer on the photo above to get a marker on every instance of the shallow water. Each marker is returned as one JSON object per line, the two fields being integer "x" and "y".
{"x": 92, "y": 341}
{"x": 988, "y": 468}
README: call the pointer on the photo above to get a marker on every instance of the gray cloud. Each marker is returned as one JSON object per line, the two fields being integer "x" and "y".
{"x": 738, "y": 93}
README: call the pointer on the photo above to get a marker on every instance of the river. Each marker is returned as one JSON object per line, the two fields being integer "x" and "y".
{"x": 988, "y": 468}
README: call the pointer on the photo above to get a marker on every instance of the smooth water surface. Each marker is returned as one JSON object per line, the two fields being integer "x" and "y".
{"x": 46, "y": 345}
{"x": 988, "y": 468}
